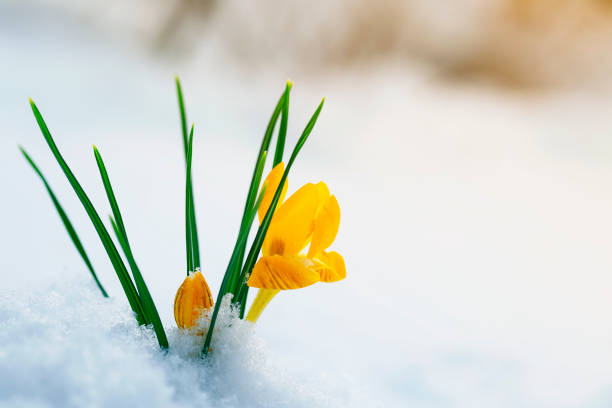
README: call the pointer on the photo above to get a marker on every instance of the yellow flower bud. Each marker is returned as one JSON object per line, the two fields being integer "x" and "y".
{"x": 192, "y": 298}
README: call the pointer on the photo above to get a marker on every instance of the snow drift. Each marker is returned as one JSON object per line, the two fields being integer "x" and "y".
{"x": 66, "y": 346}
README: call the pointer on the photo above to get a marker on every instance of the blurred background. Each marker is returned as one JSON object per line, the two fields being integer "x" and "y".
{"x": 468, "y": 143}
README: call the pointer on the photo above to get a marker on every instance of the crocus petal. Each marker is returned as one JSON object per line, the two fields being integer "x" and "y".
{"x": 283, "y": 272}
{"x": 330, "y": 266}
{"x": 293, "y": 223}
{"x": 271, "y": 182}
{"x": 192, "y": 297}
{"x": 323, "y": 194}
{"x": 325, "y": 228}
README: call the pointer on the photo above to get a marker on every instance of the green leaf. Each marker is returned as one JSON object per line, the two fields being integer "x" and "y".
{"x": 182, "y": 113}
{"x": 192, "y": 218}
{"x": 282, "y": 132}
{"x": 263, "y": 228}
{"x": 149, "y": 309}
{"x": 242, "y": 301}
{"x": 265, "y": 144}
{"x": 115, "y": 227}
{"x": 256, "y": 178}
{"x": 278, "y": 157}
{"x": 245, "y": 228}
{"x": 240, "y": 244}
{"x": 188, "y": 209}
{"x": 195, "y": 243}
{"x": 64, "y": 217}
{"x": 109, "y": 246}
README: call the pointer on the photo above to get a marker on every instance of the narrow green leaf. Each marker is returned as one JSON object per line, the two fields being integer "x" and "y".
{"x": 111, "y": 195}
{"x": 146, "y": 298}
{"x": 194, "y": 230}
{"x": 246, "y": 228}
{"x": 115, "y": 227}
{"x": 265, "y": 144}
{"x": 66, "y": 221}
{"x": 278, "y": 157}
{"x": 242, "y": 301}
{"x": 282, "y": 132}
{"x": 182, "y": 113}
{"x": 238, "y": 253}
{"x": 149, "y": 309}
{"x": 263, "y": 228}
{"x": 195, "y": 243}
{"x": 256, "y": 178}
{"x": 240, "y": 244}
{"x": 109, "y": 246}
{"x": 188, "y": 208}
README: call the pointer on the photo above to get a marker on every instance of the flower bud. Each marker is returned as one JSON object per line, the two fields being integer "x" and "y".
{"x": 192, "y": 298}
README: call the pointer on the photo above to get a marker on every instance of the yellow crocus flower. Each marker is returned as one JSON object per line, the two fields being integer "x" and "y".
{"x": 310, "y": 216}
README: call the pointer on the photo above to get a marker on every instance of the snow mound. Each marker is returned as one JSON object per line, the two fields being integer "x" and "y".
{"x": 65, "y": 345}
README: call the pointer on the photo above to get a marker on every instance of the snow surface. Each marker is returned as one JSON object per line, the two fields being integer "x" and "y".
{"x": 65, "y": 345}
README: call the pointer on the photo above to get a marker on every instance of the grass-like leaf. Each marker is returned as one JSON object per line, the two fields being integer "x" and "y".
{"x": 191, "y": 214}
{"x": 66, "y": 221}
{"x": 282, "y": 131}
{"x": 265, "y": 144}
{"x": 189, "y": 242}
{"x": 278, "y": 157}
{"x": 109, "y": 246}
{"x": 182, "y": 113}
{"x": 256, "y": 178}
{"x": 234, "y": 260}
{"x": 244, "y": 231}
{"x": 149, "y": 309}
{"x": 263, "y": 228}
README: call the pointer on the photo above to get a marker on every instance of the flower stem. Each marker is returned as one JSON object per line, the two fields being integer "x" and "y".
{"x": 264, "y": 296}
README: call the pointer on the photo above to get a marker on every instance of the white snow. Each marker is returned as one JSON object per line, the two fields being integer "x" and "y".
{"x": 65, "y": 345}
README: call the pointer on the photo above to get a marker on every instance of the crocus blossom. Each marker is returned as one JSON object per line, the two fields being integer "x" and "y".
{"x": 310, "y": 216}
